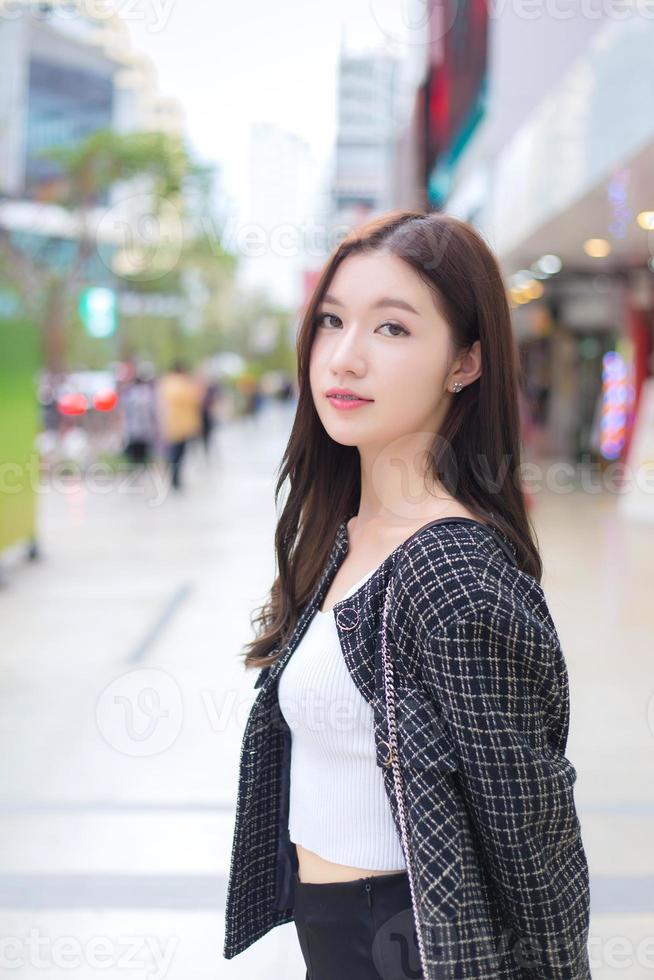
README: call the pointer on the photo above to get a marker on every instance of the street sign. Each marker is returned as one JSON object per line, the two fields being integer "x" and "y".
{"x": 97, "y": 308}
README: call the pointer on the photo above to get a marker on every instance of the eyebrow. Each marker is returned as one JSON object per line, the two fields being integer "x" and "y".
{"x": 400, "y": 304}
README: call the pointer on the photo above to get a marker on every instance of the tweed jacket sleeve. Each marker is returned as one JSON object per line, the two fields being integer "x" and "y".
{"x": 489, "y": 655}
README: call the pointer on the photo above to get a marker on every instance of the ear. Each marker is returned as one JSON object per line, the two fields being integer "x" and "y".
{"x": 467, "y": 367}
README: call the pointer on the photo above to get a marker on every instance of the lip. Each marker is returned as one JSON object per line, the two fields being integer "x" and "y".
{"x": 345, "y": 405}
{"x": 346, "y": 391}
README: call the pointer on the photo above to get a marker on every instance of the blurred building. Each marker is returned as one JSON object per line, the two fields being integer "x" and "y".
{"x": 369, "y": 109}
{"x": 66, "y": 73}
{"x": 538, "y": 129}
{"x": 361, "y": 177}
{"x": 274, "y": 233}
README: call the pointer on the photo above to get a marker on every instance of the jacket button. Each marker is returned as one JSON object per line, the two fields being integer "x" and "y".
{"x": 348, "y": 618}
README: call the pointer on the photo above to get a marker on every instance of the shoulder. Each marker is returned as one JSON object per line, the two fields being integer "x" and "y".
{"x": 451, "y": 573}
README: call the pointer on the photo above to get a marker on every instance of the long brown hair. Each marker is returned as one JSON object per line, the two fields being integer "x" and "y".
{"x": 481, "y": 431}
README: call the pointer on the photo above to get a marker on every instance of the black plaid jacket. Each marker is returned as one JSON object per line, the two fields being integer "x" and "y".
{"x": 501, "y": 877}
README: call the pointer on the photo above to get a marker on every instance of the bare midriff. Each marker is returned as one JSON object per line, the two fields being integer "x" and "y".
{"x": 313, "y": 868}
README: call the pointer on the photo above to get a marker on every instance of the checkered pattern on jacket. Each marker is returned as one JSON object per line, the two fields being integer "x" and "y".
{"x": 490, "y": 661}
{"x": 482, "y": 702}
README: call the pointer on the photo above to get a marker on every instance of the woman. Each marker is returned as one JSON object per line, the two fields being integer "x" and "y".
{"x": 404, "y": 796}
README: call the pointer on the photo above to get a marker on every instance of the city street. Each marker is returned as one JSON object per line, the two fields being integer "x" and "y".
{"x": 123, "y": 702}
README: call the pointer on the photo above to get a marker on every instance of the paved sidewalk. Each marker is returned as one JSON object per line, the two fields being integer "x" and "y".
{"x": 123, "y": 701}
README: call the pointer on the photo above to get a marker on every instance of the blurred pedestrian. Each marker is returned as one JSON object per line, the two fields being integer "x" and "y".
{"x": 139, "y": 419}
{"x": 180, "y": 413}
{"x": 286, "y": 391}
{"x": 208, "y": 409}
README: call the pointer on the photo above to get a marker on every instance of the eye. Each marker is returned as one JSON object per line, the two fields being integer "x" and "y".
{"x": 397, "y": 326}
{"x": 323, "y": 316}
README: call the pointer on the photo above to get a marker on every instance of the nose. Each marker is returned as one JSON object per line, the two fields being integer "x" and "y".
{"x": 347, "y": 354}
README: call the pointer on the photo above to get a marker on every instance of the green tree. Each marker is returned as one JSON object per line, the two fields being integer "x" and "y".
{"x": 48, "y": 270}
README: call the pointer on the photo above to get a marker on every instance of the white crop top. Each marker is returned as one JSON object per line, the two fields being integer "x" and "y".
{"x": 338, "y": 806}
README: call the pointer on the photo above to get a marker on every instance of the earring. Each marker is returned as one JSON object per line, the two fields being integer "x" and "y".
{"x": 456, "y": 387}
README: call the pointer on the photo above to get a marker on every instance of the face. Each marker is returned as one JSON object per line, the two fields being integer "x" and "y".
{"x": 380, "y": 335}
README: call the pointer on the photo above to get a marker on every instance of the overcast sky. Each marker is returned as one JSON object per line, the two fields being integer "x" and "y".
{"x": 231, "y": 64}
